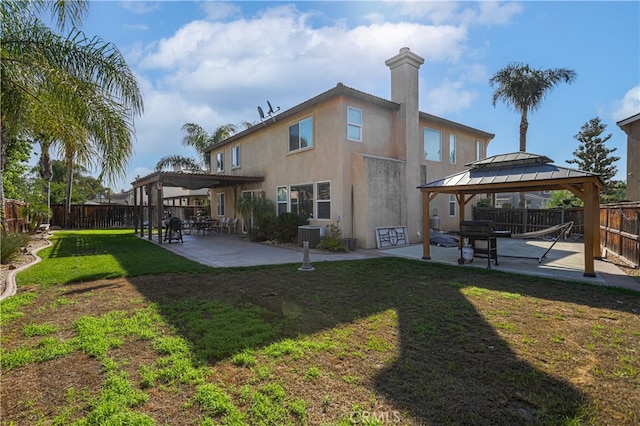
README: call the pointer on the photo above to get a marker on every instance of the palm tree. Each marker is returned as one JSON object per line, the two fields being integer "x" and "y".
{"x": 75, "y": 93}
{"x": 523, "y": 89}
{"x": 200, "y": 140}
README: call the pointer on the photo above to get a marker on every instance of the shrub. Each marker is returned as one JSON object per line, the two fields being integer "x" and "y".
{"x": 286, "y": 228}
{"x": 331, "y": 244}
{"x": 10, "y": 246}
{"x": 333, "y": 241}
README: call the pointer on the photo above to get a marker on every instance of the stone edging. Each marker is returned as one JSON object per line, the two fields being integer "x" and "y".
{"x": 10, "y": 287}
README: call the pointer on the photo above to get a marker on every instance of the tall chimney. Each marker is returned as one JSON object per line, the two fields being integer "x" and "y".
{"x": 404, "y": 77}
{"x": 404, "y": 91}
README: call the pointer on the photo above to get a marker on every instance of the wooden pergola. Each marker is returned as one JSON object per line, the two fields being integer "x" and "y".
{"x": 155, "y": 182}
{"x": 520, "y": 172}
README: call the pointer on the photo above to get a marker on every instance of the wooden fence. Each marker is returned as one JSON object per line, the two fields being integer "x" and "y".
{"x": 14, "y": 217}
{"x": 620, "y": 231}
{"x": 519, "y": 221}
{"x": 104, "y": 216}
{"x": 94, "y": 216}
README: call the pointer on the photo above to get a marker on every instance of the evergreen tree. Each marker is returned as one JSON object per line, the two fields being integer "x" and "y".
{"x": 593, "y": 156}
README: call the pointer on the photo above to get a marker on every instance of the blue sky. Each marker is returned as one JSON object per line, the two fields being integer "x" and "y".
{"x": 213, "y": 63}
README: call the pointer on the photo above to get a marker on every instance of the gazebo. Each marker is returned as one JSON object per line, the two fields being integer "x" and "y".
{"x": 154, "y": 183}
{"x": 520, "y": 172}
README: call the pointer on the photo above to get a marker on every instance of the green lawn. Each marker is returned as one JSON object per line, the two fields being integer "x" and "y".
{"x": 111, "y": 329}
{"x": 77, "y": 256}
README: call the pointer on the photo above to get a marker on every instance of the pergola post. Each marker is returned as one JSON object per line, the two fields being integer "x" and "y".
{"x": 136, "y": 211}
{"x": 160, "y": 207}
{"x": 149, "y": 211}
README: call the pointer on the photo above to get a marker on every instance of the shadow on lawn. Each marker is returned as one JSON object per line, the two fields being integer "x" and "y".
{"x": 453, "y": 367}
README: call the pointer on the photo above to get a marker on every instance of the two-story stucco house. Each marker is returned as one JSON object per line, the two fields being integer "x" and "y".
{"x": 631, "y": 126}
{"x": 351, "y": 159}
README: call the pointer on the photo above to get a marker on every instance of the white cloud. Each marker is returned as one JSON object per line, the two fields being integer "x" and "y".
{"x": 140, "y": 7}
{"x": 466, "y": 13}
{"x": 628, "y": 106}
{"x": 216, "y": 10}
{"x": 449, "y": 97}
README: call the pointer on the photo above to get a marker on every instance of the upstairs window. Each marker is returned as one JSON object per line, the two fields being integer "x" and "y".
{"x": 432, "y": 145}
{"x": 301, "y": 135}
{"x": 354, "y": 124}
{"x": 452, "y": 149}
{"x": 479, "y": 155}
{"x": 452, "y": 205}
{"x": 220, "y": 162}
{"x": 235, "y": 157}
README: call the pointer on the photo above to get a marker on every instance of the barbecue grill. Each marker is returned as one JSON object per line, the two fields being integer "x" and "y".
{"x": 480, "y": 230}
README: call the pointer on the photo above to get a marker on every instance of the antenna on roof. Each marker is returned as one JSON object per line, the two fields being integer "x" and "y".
{"x": 270, "y": 112}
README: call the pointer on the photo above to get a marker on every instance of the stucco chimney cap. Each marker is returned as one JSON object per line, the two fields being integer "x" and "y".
{"x": 406, "y": 56}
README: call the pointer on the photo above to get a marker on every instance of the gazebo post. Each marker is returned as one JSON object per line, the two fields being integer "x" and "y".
{"x": 426, "y": 239}
{"x": 589, "y": 229}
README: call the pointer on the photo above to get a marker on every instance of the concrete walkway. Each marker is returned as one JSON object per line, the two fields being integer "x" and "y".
{"x": 564, "y": 262}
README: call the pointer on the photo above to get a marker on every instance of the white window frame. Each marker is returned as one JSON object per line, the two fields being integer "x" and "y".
{"x": 299, "y": 146}
{"x": 280, "y": 203}
{"x": 354, "y": 125}
{"x": 298, "y": 204}
{"x": 220, "y": 162}
{"x": 428, "y": 142}
{"x": 479, "y": 154}
{"x": 320, "y": 201}
{"x": 452, "y": 205}
{"x": 235, "y": 156}
{"x": 220, "y": 203}
{"x": 452, "y": 148}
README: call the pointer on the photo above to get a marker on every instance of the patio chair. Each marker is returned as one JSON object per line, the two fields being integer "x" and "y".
{"x": 187, "y": 226}
{"x": 230, "y": 226}
{"x": 221, "y": 225}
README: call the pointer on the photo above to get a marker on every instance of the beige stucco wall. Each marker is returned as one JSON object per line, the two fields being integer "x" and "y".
{"x": 633, "y": 161}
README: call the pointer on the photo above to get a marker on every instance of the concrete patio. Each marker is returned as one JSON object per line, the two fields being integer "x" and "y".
{"x": 564, "y": 262}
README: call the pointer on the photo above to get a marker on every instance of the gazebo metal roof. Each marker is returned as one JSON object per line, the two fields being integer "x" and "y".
{"x": 510, "y": 172}
{"x": 520, "y": 172}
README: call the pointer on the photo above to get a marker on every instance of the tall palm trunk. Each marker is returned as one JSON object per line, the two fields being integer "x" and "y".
{"x": 4, "y": 142}
{"x": 46, "y": 170}
{"x": 67, "y": 202}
